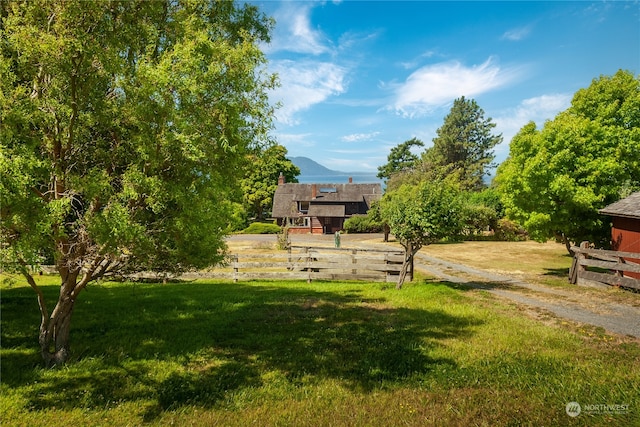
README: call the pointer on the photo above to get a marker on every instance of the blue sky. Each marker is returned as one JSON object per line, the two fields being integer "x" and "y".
{"x": 360, "y": 77}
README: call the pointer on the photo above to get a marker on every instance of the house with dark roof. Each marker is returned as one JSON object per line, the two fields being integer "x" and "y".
{"x": 625, "y": 231}
{"x": 321, "y": 208}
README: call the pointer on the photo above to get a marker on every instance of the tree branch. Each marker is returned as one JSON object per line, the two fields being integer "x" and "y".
{"x": 44, "y": 313}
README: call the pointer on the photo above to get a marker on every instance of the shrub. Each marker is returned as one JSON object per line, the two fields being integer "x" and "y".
{"x": 362, "y": 224}
{"x": 508, "y": 230}
{"x": 261, "y": 228}
{"x": 477, "y": 219}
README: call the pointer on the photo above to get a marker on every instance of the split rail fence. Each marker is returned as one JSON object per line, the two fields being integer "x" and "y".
{"x": 315, "y": 263}
{"x": 298, "y": 263}
{"x": 596, "y": 266}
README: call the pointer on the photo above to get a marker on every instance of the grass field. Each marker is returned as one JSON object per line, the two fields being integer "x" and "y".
{"x": 292, "y": 353}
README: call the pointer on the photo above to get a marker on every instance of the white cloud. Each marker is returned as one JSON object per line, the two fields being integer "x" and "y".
{"x": 412, "y": 63}
{"x": 517, "y": 34}
{"x": 537, "y": 109}
{"x": 303, "y": 84}
{"x": 433, "y": 86}
{"x": 293, "y": 31}
{"x": 294, "y": 139}
{"x": 356, "y": 137}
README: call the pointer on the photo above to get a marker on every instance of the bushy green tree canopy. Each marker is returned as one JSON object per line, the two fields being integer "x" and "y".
{"x": 464, "y": 145}
{"x": 261, "y": 178}
{"x": 558, "y": 177}
{"x": 124, "y": 129}
{"x": 419, "y": 215}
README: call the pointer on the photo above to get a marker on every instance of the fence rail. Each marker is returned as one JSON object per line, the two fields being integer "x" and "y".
{"x": 607, "y": 267}
{"x": 298, "y": 263}
{"x": 317, "y": 263}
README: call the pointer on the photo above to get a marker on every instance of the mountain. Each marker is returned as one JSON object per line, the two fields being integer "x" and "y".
{"x": 313, "y": 172}
{"x": 309, "y": 167}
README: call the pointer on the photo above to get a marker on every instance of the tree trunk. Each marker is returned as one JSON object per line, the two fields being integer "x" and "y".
{"x": 567, "y": 244}
{"x": 407, "y": 265}
{"x": 55, "y": 331}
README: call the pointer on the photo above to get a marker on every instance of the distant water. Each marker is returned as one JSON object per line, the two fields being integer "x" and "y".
{"x": 342, "y": 178}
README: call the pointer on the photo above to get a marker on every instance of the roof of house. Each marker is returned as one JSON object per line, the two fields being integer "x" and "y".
{"x": 628, "y": 207}
{"x": 287, "y": 196}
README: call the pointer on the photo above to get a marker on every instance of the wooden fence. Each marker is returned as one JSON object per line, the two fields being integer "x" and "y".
{"x": 315, "y": 263}
{"x": 604, "y": 267}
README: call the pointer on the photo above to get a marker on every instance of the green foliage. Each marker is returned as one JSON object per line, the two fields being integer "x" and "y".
{"x": 558, "y": 177}
{"x": 238, "y": 219}
{"x": 260, "y": 181}
{"x": 464, "y": 145}
{"x": 362, "y": 224}
{"x": 145, "y": 112}
{"x": 509, "y": 231}
{"x": 400, "y": 159}
{"x": 423, "y": 214}
{"x": 124, "y": 130}
{"x": 262, "y": 228}
{"x": 477, "y": 219}
{"x": 481, "y": 212}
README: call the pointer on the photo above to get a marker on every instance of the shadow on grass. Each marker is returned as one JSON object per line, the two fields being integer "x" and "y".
{"x": 223, "y": 337}
{"x": 557, "y": 272}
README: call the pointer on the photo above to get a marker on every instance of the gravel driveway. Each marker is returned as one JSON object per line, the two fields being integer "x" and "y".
{"x": 617, "y": 318}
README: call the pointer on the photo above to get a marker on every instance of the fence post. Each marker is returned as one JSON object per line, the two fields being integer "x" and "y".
{"x": 353, "y": 260}
{"x": 580, "y": 267}
{"x": 235, "y": 268}
{"x": 309, "y": 260}
{"x": 621, "y": 260}
{"x": 386, "y": 263}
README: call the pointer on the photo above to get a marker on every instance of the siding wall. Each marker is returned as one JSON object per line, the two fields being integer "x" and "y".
{"x": 625, "y": 236}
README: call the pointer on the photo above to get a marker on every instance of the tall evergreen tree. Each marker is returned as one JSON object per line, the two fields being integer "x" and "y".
{"x": 400, "y": 159}
{"x": 464, "y": 145}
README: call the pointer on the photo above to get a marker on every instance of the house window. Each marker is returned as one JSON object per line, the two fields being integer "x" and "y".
{"x": 303, "y": 207}
{"x": 299, "y": 222}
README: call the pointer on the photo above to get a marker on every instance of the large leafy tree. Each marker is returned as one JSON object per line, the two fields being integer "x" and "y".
{"x": 261, "y": 178}
{"x": 124, "y": 126}
{"x": 556, "y": 178}
{"x": 400, "y": 159}
{"x": 464, "y": 145}
{"x": 422, "y": 214}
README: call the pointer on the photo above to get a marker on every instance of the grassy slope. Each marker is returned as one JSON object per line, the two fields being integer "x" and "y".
{"x": 291, "y": 353}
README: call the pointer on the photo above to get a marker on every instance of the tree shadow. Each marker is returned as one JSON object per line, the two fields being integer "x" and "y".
{"x": 471, "y": 285}
{"x": 248, "y": 329}
{"x": 557, "y": 272}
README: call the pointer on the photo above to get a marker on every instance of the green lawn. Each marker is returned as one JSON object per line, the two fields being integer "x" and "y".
{"x": 292, "y": 353}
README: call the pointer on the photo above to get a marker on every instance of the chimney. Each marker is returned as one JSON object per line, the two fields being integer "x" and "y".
{"x": 350, "y": 180}
{"x": 281, "y": 179}
{"x": 314, "y": 191}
